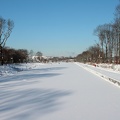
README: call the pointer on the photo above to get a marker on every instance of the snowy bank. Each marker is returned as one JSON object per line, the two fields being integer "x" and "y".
{"x": 114, "y": 67}
{"x": 11, "y": 69}
{"x": 104, "y": 71}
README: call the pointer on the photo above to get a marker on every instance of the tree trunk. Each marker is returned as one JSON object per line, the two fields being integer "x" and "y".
{"x": 1, "y": 56}
{"x": 106, "y": 54}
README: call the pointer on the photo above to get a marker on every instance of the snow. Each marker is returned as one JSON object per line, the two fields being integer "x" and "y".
{"x": 58, "y": 91}
{"x": 107, "y": 74}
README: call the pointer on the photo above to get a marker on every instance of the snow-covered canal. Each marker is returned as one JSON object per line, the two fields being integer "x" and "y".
{"x": 62, "y": 91}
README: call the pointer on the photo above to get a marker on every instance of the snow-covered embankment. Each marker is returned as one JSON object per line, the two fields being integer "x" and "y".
{"x": 103, "y": 76}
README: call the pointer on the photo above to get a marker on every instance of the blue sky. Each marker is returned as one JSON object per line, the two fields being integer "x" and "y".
{"x": 56, "y": 27}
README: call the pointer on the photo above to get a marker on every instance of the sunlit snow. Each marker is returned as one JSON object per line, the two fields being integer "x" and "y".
{"x": 58, "y": 91}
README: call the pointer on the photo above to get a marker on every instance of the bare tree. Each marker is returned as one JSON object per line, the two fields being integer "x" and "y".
{"x": 105, "y": 35}
{"x": 39, "y": 55}
{"x": 31, "y": 54}
{"x": 117, "y": 22}
{"x": 100, "y": 32}
{"x": 6, "y": 27}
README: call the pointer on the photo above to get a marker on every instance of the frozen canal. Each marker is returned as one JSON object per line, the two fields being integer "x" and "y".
{"x": 62, "y": 91}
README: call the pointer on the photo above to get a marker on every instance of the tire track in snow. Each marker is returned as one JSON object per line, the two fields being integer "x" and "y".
{"x": 106, "y": 78}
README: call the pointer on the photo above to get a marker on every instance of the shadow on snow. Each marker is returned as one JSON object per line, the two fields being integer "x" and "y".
{"x": 27, "y": 77}
{"x": 18, "y": 101}
{"x": 24, "y": 104}
{"x": 31, "y": 74}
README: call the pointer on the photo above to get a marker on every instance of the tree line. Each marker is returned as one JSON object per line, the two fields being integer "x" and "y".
{"x": 108, "y": 47}
{"x": 11, "y": 55}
